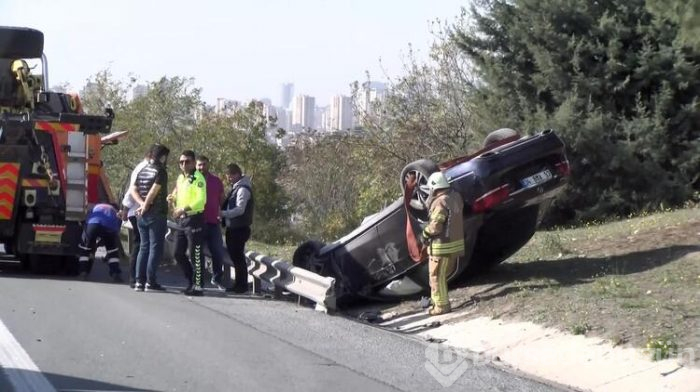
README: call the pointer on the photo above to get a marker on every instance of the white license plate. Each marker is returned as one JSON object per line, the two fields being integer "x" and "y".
{"x": 536, "y": 179}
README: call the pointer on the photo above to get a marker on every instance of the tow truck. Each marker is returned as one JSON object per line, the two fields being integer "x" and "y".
{"x": 50, "y": 159}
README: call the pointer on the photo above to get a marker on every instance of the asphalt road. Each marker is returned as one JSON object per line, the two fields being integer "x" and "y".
{"x": 96, "y": 335}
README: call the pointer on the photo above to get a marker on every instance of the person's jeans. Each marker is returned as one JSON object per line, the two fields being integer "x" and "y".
{"x": 152, "y": 227}
{"x": 235, "y": 242}
{"x": 134, "y": 251}
{"x": 213, "y": 240}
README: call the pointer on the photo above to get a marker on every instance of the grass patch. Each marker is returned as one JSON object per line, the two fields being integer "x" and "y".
{"x": 284, "y": 252}
{"x": 636, "y": 304}
{"x": 614, "y": 287}
{"x": 661, "y": 347}
{"x": 580, "y": 329}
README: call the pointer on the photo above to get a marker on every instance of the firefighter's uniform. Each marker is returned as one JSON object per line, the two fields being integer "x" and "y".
{"x": 445, "y": 237}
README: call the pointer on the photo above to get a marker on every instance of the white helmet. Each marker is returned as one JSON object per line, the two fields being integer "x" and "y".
{"x": 437, "y": 180}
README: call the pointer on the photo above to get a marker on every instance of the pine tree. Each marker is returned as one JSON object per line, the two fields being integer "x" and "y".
{"x": 614, "y": 79}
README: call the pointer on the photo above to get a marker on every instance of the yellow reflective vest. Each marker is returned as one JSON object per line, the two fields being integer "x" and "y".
{"x": 191, "y": 192}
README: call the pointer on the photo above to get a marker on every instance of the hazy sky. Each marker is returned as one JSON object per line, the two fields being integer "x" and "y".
{"x": 235, "y": 49}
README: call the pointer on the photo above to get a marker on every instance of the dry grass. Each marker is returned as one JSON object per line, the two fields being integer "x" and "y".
{"x": 626, "y": 281}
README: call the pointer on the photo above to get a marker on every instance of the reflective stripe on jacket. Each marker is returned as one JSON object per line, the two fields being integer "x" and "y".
{"x": 445, "y": 228}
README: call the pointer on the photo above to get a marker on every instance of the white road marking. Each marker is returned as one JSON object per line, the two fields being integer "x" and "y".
{"x": 19, "y": 368}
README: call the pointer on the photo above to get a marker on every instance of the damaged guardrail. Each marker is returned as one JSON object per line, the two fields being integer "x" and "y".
{"x": 284, "y": 276}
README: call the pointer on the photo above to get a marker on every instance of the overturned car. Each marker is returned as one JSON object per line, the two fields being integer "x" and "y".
{"x": 507, "y": 187}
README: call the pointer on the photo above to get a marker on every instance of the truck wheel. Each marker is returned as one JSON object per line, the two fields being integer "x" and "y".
{"x": 21, "y": 42}
{"x": 422, "y": 169}
{"x": 70, "y": 265}
{"x": 44, "y": 264}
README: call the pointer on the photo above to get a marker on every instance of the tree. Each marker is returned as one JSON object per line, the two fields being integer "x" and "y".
{"x": 684, "y": 13}
{"x": 172, "y": 113}
{"x": 240, "y": 138}
{"x": 614, "y": 80}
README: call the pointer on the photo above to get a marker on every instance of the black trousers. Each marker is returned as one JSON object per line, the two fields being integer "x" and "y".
{"x": 235, "y": 243}
{"x": 191, "y": 239}
{"x": 134, "y": 251}
{"x": 88, "y": 245}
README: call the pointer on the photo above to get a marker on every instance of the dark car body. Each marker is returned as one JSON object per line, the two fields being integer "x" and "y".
{"x": 507, "y": 189}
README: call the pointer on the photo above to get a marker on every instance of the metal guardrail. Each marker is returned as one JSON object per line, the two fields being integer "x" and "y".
{"x": 281, "y": 274}
{"x": 284, "y": 276}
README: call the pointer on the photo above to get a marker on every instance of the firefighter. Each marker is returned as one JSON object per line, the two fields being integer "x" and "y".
{"x": 102, "y": 222}
{"x": 444, "y": 237}
{"x": 190, "y": 196}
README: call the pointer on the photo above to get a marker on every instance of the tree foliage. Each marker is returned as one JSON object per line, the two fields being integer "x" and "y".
{"x": 172, "y": 113}
{"x": 612, "y": 78}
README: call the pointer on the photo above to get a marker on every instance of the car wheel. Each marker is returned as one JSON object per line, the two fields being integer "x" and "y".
{"x": 422, "y": 169}
{"x": 499, "y": 135}
{"x": 307, "y": 256}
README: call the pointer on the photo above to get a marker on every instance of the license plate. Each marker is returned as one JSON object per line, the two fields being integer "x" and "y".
{"x": 536, "y": 179}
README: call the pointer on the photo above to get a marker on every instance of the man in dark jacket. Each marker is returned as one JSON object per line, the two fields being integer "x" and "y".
{"x": 237, "y": 213}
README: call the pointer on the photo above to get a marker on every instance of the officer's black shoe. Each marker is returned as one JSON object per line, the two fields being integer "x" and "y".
{"x": 194, "y": 291}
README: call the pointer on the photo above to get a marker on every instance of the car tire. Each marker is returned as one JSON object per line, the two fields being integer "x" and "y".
{"x": 307, "y": 256}
{"x": 499, "y": 135}
{"x": 422, "y": 168}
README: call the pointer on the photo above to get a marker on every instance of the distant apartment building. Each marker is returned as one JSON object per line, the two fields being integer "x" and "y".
{"x": 368, "y": 96}
{"x": 139, "y": 91}
{"x": 89, "y": 89}
{"x": 303, "y": 108}
{"x": 226, "y": 106}
{"x": 287, "y": 94}
{"x": 320, "y": 118}
{"x": 284, "y": 118}
{"x": 341, "y": 113}
{"x": 326, "y": 120}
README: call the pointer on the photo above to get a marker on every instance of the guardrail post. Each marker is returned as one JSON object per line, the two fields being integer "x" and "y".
{"x": 285, "y": 277}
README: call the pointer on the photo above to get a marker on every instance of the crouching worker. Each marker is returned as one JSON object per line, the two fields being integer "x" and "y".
{"x": 444, "y": 236}
{"x": 102, "y": 223}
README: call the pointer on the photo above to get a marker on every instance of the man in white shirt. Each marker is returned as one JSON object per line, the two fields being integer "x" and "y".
{"x": 130, "y": 206}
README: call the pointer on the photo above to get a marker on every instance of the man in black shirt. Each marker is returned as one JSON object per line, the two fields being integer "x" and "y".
{"x": 149, "y": 191}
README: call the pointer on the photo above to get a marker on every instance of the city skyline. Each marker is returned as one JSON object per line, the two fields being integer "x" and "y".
{"x": 241, "y": 50}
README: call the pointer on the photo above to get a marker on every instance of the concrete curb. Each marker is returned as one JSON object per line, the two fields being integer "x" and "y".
{"x": 583, "y": 363}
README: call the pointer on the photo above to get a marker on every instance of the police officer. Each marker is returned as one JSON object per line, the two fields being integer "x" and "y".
{"x": 444, "y": 235}
{"x": 190, "y": 196}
